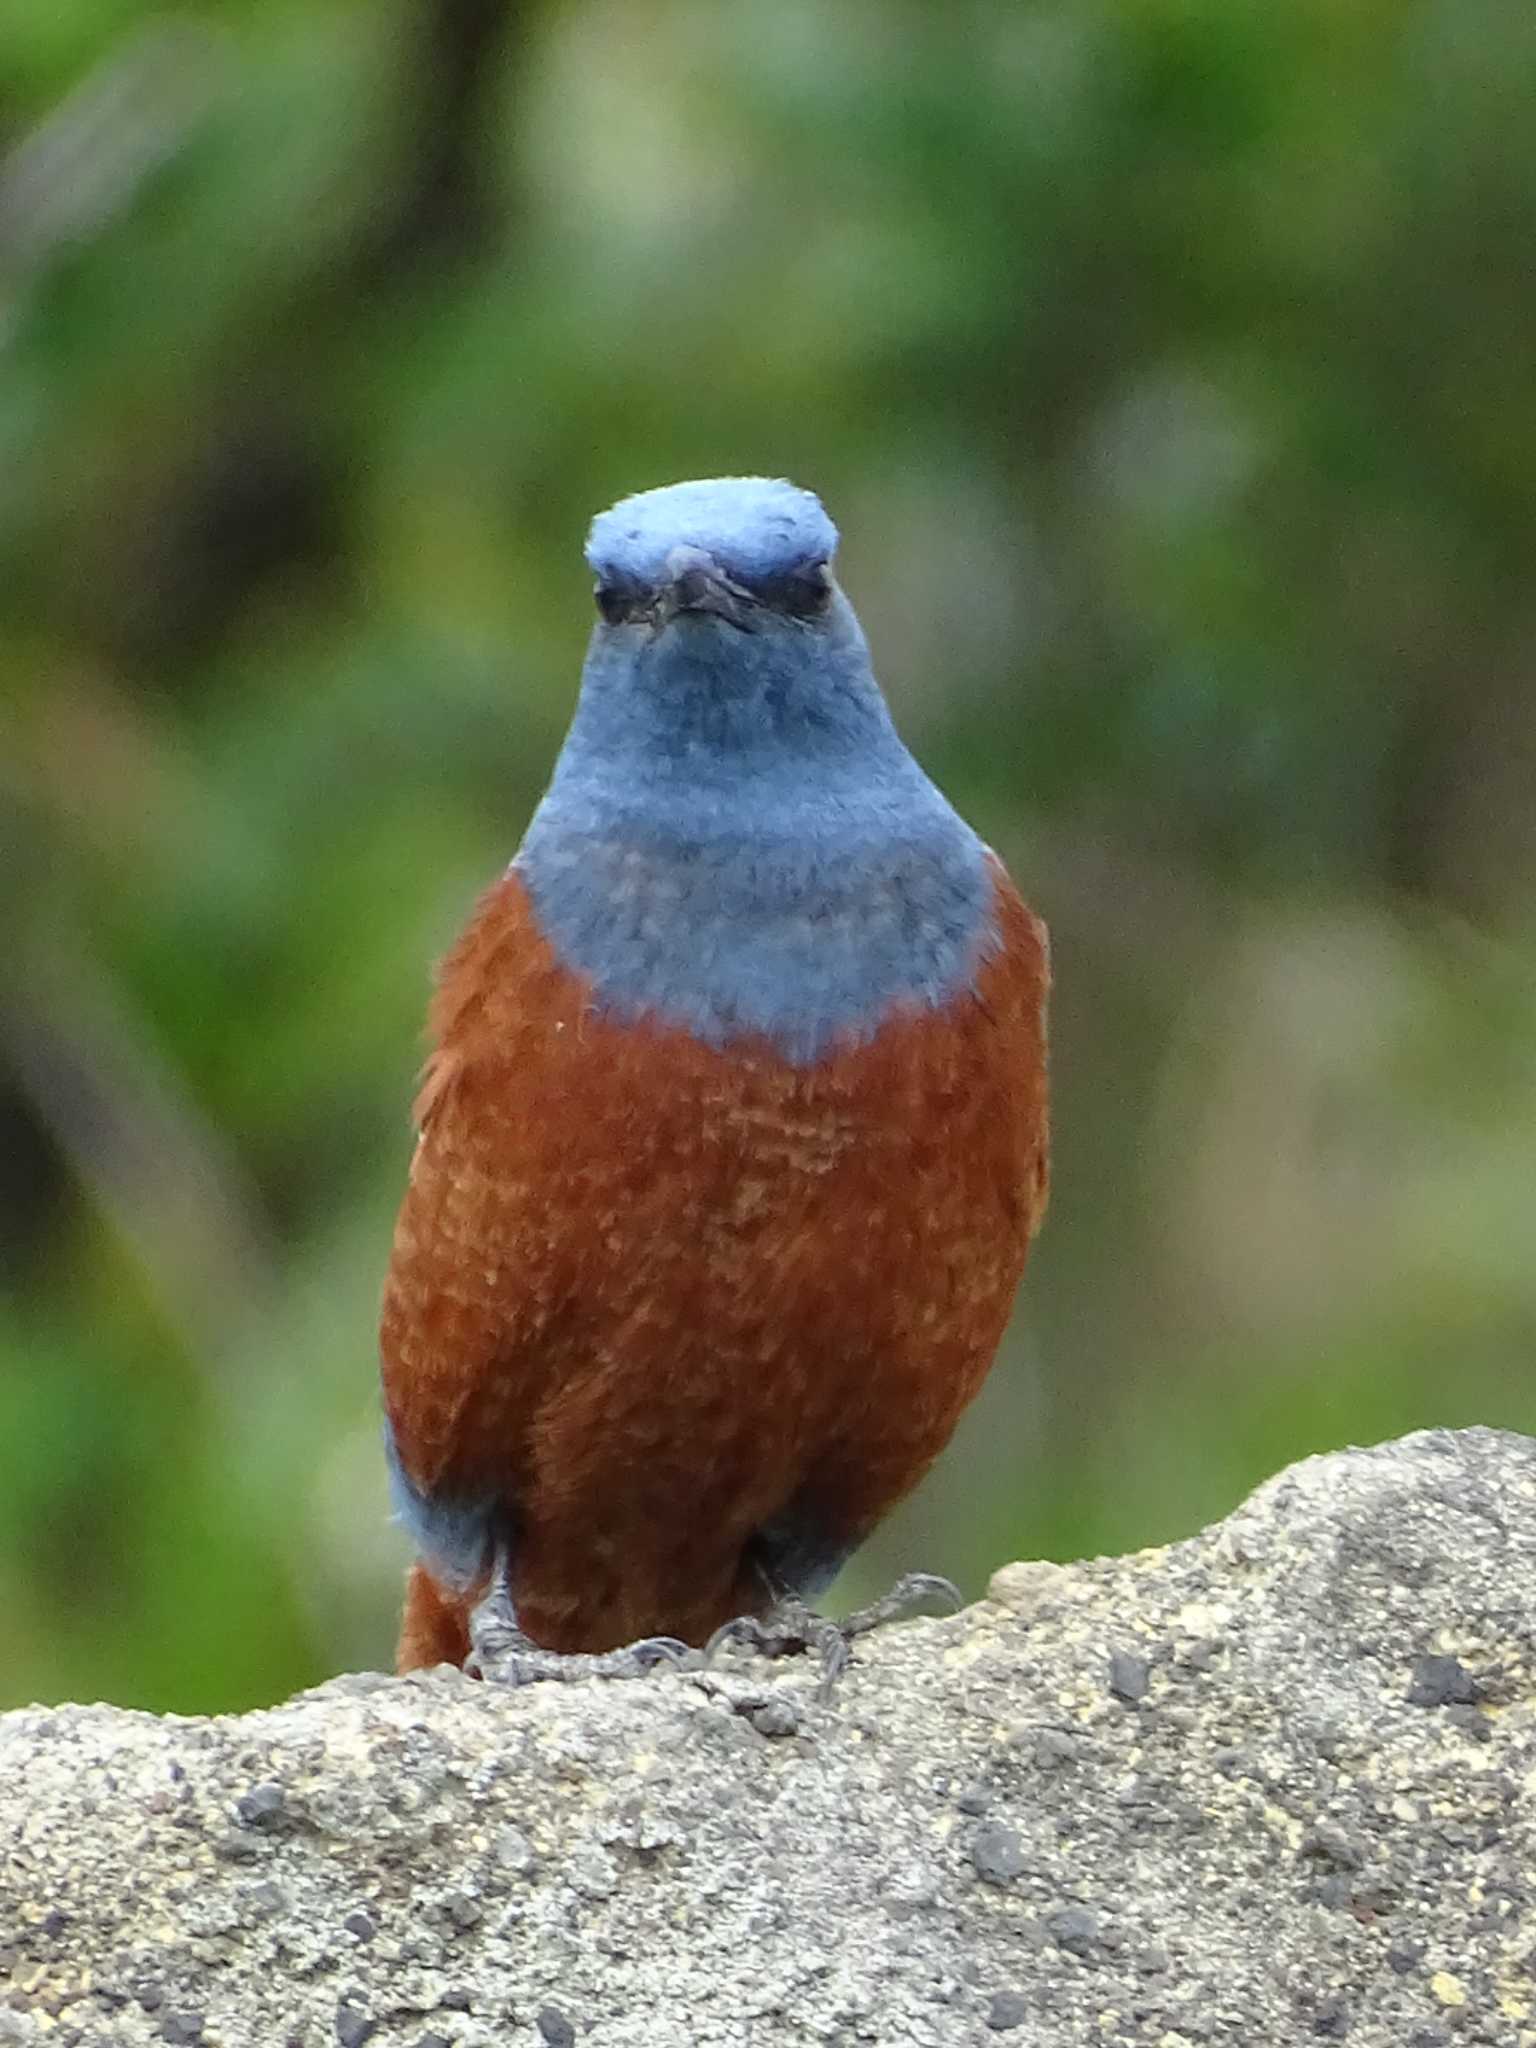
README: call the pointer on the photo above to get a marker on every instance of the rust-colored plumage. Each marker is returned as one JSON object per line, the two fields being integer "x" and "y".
{"x": 656, "y": 1296}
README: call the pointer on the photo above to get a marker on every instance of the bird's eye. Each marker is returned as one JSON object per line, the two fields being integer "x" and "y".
{"x": 807, "y": 592}
{"x": 614, "y": 605}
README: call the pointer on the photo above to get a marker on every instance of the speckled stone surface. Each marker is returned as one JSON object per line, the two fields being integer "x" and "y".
{"x": 1271, "y": 1785}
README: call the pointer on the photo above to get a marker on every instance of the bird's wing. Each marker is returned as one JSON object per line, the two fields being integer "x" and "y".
{"x": 1016, "y": 986}
{"x": 474, "y": 1279}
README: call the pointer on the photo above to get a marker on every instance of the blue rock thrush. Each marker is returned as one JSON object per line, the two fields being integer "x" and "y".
{"x": 733, "y": 1134}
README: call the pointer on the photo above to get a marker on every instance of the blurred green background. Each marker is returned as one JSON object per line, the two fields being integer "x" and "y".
{"x": 1170, "y": 366}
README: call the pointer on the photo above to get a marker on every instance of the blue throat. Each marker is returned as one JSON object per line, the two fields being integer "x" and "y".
{"x": 736, "y": 840}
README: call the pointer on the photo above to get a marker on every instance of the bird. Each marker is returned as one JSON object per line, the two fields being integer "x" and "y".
{"x": 733, "y": 1133}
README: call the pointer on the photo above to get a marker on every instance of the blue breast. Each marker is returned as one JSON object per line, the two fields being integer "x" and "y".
{"x": 737, "y": 842}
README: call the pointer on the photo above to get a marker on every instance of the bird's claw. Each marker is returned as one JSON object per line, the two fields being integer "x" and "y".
{"x": 912, "y": 1592}
{"x": 522, "y": 1662}
{"x": 790, "y": 1626}
{"x": 502, "y": 1653}
{"x": 748, "y": 1632}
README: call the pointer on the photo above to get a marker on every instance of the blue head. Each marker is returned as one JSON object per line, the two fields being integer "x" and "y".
{"x": 728, "y": 543}
{"x": 736, "y": 839}
{"x": 721, "y": 633}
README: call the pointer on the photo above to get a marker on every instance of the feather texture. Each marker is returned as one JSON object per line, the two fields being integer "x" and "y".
{"x": 650, "y": 1297}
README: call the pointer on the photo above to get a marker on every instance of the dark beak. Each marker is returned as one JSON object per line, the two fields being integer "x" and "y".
{"x": 696, "y": 583}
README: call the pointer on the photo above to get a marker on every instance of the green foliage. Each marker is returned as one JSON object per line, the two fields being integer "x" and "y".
{"x": 1167, "y": 364}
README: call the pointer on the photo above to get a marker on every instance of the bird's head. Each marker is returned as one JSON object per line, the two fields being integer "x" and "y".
{"x": 722, "y": 636}
{"x": 749, "y": 554}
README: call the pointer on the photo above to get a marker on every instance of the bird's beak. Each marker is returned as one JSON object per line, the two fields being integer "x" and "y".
{"x": 696, "y": 583}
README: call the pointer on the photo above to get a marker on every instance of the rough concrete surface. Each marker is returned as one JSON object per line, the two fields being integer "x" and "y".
{"x": 1270, "y": 1785}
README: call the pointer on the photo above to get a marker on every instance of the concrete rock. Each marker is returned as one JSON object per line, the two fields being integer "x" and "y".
{"x": 1270, "y": 1785}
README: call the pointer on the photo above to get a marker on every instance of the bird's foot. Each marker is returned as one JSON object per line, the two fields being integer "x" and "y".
{"x": 502, "y": 1654}
{"x": 524, "y": 1663}
{"x": 790, "y": 1626}
{"x": 912, "y": 1592}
